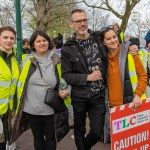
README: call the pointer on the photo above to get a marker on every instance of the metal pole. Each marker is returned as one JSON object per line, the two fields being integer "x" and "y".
{"x": 18, "y": 30}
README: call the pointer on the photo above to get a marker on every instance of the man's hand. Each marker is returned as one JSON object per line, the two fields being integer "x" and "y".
{"x": 94, "y": 76}
{"x": 136, "y": 102}
{"x": 133, "y": 49}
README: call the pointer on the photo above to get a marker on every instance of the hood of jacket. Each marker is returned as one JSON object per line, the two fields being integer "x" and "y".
{"x": 56, "y": 59}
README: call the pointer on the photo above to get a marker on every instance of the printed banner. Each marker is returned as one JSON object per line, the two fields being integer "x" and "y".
{"x": 130, "y": 130}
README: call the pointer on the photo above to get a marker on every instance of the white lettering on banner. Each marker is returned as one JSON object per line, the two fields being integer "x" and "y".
{"x": 143, "y": 147}
{"x": 132, "y": 140}
{"x": 130, "y": 121}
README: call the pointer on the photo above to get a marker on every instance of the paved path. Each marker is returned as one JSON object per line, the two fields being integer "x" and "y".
{"x": 25, "y": 142}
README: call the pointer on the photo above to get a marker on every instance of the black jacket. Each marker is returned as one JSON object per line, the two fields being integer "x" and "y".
{"x": 74, "y": 69}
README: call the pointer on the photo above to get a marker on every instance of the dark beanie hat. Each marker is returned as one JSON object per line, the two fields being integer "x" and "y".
{"x": 135, "y": 41}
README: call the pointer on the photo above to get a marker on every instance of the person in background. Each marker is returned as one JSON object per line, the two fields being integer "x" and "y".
{"x": 148, "y": 66}
{"x": 148, "y": 46}
{"x": 127, "y": 79}
{"x": 148, "y": 50}
{"x": 39, "y": 71}
{"x": 84, "y": 67}
{"x": 57, "y": 44}
{"x": 119, "y": 33}
{"x": 147, "y": 36}
{"x": 25, "y": 46}
{"x": 144, "y": 56}
{"x": 9, "y": 74}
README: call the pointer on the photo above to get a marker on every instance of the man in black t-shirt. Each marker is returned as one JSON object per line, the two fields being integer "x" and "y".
{"x": 84, "y": 67}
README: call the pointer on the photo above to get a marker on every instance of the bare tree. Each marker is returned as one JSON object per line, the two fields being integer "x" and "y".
{"x": 139, "y": 22}
{"x": 7, "y": 16}
{"x": 49, "y": 11}
{"x": 49, "y": 15}
{"x": 123, "y": 14}
{"x": 97, "y": 21}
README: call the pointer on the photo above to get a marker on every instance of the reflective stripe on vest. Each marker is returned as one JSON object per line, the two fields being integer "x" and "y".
{"x": 8, "y": 82}
{"x": 4, "y": 83}
{"x": 67, "y": 100}
{"x": 133, "y": 75}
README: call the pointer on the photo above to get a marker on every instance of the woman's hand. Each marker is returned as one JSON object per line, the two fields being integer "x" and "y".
{"x": 63, "y": 94}
{"x": 136, "y": 102}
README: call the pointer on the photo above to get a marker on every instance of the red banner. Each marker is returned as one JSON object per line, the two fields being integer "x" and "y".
{"x": 130, "y": 130}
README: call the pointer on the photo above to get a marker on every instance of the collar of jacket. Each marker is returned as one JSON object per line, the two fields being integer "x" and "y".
{"x": 4, "y": 55}
{"x": 72, "y": 40}
{"x": 55, "y": 57}
{"x": 4, "y": 50}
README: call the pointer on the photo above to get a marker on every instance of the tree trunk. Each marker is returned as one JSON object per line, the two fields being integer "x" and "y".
{"x": 125, "y": 19}
{"x": 41, "y": 13}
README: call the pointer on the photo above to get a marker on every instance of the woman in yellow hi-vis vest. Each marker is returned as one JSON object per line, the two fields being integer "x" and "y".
{"x": 9, "y": 74}
{"x": 40, "y": 70}
{"x": 127, "y": 78}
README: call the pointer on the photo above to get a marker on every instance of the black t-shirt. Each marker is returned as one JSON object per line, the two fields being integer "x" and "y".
{"x": 92, "y": 57}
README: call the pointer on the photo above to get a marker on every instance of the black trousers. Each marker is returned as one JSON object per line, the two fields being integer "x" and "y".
{"x": 43, "y": 132}
{"x": 96, "y": 112}
{"x": 3, "y": 146}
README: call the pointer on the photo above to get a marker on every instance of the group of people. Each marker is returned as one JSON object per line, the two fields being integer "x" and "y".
{"x": 90, "y": 63}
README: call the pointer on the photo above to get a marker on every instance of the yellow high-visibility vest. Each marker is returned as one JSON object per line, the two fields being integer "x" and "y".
{"x": 67, "y": 100}
{"x": 8, "y": 84}
{"x": 122, "y": 36}
{"x": 143, "y": 54}
{"x": 21, "y": 82}
{"x": 133, "y": 75}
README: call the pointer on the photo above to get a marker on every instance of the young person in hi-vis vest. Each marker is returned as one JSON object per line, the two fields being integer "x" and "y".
{"x": 144, "y": 55}
{"x": 9, "y": 74}
{"x": 127, "y": 79}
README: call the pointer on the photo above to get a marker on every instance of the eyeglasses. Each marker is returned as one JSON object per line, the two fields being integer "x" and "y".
{"x": 78, "y": 22}
{"x": 106, "y": 28}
